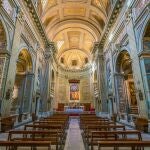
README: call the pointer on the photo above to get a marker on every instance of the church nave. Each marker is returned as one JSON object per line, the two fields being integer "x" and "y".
{"x": 70, "y": 69}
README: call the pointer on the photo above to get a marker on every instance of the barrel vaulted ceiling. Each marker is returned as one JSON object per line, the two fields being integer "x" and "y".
{"x": 74, "y": 25}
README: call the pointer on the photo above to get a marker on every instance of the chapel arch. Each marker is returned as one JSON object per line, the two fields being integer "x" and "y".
{"x": 3, "y": 38}
{"x": 145, "y": 62}
{"x": 126, "y": 92}
{"x": 146, "y": 37}
{"x": 22, "y": 92}
{"x": 3, "y": 47}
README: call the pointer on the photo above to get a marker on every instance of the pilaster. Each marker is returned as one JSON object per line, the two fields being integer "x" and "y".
{"x": 101, "y": 83}
{"x": 135, "y": 63}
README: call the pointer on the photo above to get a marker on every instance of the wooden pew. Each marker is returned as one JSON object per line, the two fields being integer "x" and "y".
{"x": 87, "y": 132}
{"x": 57, "y": 120}
{"x": 133, "y": 144}
{"x": 141, "y": 124}
{"x": 51, "y": 122}
{"x": 32, "y": 144}
{"x": 113, "y": 136}
{"x": 37, "y": 135}
{"x": 60, "y": 128}
{"x": 43, "y": 126}
{"x": 7, "y": 123}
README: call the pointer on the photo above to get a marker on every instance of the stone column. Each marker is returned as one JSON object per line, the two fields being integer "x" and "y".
{"x": 101, "y": 83}
{"x": 28, "y": 93}
{"x": 121, "y": 97}
{"x": 46, "y": 81}
{"x": 4, "y": 62}
{"x": 11, "y": 65}
{"x": 55, "y": 102}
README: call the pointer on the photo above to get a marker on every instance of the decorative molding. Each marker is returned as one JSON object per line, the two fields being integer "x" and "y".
{"x": 95, "y": 47}
{"x": 37, "y": 20}
{"x": 111, "y": 20}
{"x": 128, "y": 15}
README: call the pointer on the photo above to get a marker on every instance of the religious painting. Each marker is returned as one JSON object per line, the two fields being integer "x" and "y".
{"x": 74, "y": 91}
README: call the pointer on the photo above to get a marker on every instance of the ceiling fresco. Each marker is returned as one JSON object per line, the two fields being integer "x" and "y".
{"x": 74, "y": 25}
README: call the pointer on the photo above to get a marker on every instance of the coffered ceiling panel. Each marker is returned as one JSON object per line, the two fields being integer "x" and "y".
{"x": 74, "y": 25}
{"x": 74, "y": 37}
{"x": 74, "y": 11}
{"x": 64, "y": 1}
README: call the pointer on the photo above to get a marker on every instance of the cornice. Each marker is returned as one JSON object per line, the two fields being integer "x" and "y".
{"x": 37, "y": 21}
{"x": 111, "y": 20}
{"x": 75, "y": 70}
{"x": 95, "y": 47}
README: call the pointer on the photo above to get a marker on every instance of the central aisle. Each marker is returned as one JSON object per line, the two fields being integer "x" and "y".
{"x": 74, "y": 140}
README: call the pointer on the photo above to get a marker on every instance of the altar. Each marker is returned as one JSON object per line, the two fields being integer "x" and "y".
{"x": 74, "y": 110}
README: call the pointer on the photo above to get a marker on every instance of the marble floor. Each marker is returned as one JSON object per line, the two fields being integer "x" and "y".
{"x": 74, "y": 140}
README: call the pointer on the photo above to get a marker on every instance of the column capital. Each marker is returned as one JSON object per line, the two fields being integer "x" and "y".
{"x": 52, "y": 47}
{"x": 47, "y": 54}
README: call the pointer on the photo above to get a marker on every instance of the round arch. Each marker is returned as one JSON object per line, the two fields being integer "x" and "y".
{"x": 27, "y": 54}
{"x": 3, "y": 38}
{"x": 23, "y": 83}
{"x": 6, "y": 33}
{"x": 146, "y": 37}
{"x": 146, "y": 22}
{"x": 124, "y": 50}
{"x": 82, "y": 24}
{"x": 122, "y": 57}
{"x": 25, "y": 58}
{"x": 56, "y": 8}
{"x": 125, "y": 84}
